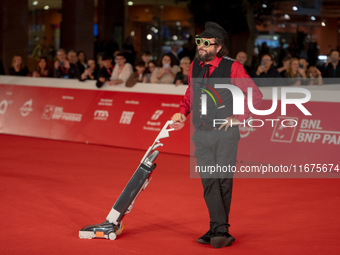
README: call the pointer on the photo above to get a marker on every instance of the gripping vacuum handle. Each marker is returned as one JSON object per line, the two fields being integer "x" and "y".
{"x": 163, "y": 134}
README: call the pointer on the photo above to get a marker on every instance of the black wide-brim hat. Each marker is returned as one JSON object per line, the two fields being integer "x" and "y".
{"x": 213, "y": 30}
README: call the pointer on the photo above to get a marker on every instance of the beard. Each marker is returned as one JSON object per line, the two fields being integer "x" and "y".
{"x": 206, "y": 56}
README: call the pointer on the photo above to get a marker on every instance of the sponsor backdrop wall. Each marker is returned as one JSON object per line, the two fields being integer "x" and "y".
{"x": 132, "y": 117}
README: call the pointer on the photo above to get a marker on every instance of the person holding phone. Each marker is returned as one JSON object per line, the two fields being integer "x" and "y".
{"x": 167, "y": 72}
{"x": 285, "y": 64}
{"x": 314, "y": 76}
{"x": 63, "y": 67}
{"x": 90, "y": 73}
{"x": 297, "y": 76}
{"x": 303, "y": 64}
{"x": 266, "y": 70}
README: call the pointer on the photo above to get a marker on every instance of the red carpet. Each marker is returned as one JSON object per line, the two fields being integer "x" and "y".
{"x": 51, "y": 189}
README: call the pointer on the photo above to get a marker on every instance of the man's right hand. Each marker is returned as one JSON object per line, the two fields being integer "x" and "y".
{"x": 260, "y": 70}
{"x": 179, "y": 117}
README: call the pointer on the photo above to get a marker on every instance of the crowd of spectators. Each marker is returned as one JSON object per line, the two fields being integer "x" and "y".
{"x": 296, "y": 71}
{"x": 172, "y": 68}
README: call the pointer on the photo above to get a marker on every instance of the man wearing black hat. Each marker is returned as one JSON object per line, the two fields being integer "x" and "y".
{"x": 216, "y": 145}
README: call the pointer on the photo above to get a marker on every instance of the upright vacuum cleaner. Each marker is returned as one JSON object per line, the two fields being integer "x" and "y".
{"x": 113, "y": 225}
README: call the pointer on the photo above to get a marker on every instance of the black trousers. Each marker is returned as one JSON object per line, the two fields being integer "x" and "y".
{"x": 216, "y": 150}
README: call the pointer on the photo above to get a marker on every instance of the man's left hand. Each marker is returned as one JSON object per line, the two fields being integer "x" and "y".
{"x": 228, "y": 123}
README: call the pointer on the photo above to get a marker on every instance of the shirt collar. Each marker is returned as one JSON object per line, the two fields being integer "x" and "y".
{"x": 215, "y": 62}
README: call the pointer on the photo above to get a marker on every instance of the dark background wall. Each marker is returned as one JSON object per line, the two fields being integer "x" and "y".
{"x": 78, "y": 18}
{"x": 77, "y": 25}
{"x": 13, "y": 31}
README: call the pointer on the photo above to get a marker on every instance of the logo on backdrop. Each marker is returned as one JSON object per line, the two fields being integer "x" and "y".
{"x": 65, "y": 97}
{"x": 154, "y": 125}
{"x": 101, "y": 115}
{"x": 57, "y": 113}
{"x": 26, "y": 108}
{"x": 238, "y": 99}
{"x": 47, "y": 113}
{"x": 3, "y": 106}
{"x": 156, "y": 115}
{"x": 131, "y": 102}
{"x": 311, "y": 131}
{"x": 105, "y": 102}
{"x": 170, "y": 105}
{"x": 245, "y": 131}
{"x": 284, "y": 133}
{"x": 126, "y": 117}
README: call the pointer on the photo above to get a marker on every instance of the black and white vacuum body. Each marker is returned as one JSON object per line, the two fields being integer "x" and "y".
{"x": 140, "y": 179}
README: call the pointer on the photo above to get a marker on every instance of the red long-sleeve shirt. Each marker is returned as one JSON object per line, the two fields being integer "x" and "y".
{"x": 237, "y": 71}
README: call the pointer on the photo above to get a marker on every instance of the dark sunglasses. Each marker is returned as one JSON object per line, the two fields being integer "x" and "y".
{"x": 206, "y": 43}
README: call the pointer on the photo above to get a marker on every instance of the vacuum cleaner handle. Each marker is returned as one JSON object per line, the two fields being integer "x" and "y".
{"x": 163, "y": 134}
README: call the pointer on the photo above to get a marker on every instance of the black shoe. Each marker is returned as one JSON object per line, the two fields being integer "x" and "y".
{"x": 205, "y": 239}
{"x": 222, "y": 240}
